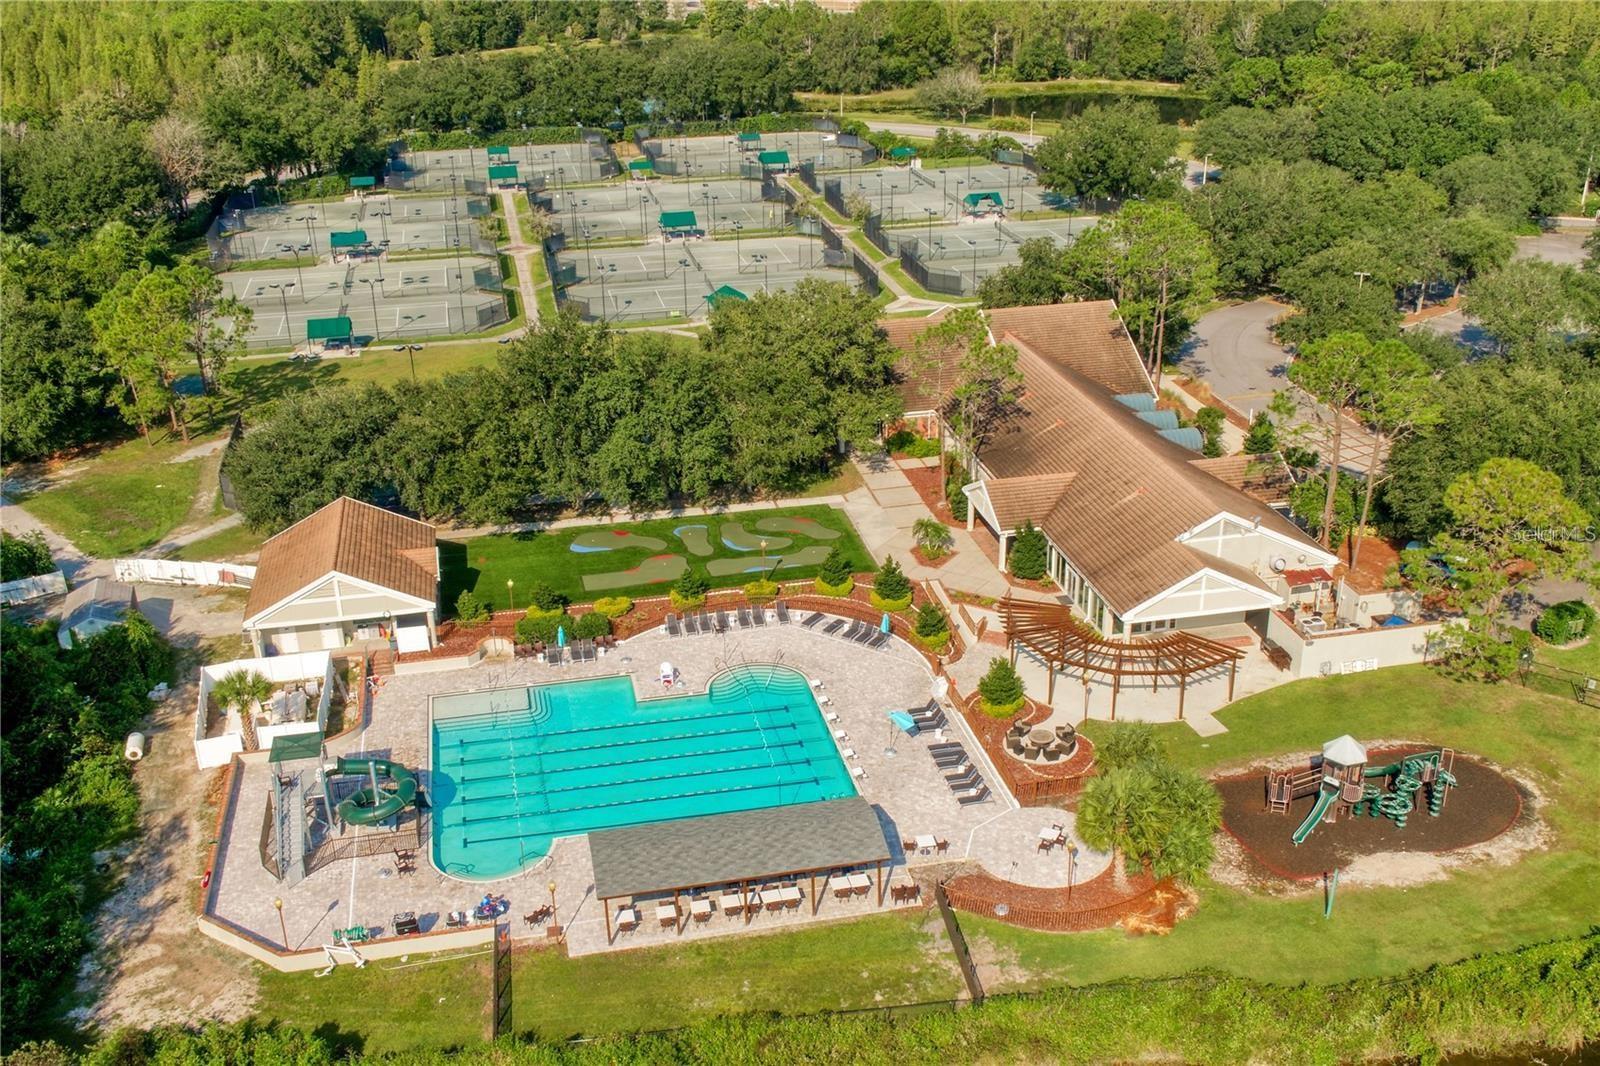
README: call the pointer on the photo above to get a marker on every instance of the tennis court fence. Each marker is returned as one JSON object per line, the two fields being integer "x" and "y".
{"x": 934, "y": 279}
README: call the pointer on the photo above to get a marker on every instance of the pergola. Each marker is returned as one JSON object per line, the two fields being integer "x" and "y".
{"x": 738, "y": 851}
{"x": 1054, "y": 634}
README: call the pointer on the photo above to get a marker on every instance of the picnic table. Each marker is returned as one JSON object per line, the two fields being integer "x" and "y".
{"x": 926, "y": 843}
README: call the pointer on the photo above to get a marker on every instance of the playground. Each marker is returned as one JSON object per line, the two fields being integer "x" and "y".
{"x": 382, "y": 300}
{"x": 1423, "y": 803}
{"x": 683, "y": 278}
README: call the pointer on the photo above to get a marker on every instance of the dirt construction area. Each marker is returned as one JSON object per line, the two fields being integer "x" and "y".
{"x": 1483, "y": 805}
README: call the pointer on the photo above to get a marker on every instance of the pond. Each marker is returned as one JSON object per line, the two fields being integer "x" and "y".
{"x": 1058, "y": 106}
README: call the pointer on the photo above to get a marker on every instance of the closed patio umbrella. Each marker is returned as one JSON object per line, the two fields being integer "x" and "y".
{"x": 884, "y": 626}
{"x": 561, "y": 636}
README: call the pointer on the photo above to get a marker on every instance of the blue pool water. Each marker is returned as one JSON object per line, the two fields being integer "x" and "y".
{"x": 515, "y": 768}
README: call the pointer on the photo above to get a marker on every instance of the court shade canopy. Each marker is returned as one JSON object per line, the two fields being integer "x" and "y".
{"x": 723, "y": 293}
{"x": 973, "y": 200}
{"x": 904, "y": 151}
{"x": 641, "y": 164}
{"x": 749, "y": 138}
{"x": 499, "y": 151}
{"x": 503, "y": 172}
{"x": 350, "y": 238}
{"x": 338, "y": 328}
{"x": 777, "y": 158}
{"x": 363, "y": 181}
{"x": 679, "y": 222}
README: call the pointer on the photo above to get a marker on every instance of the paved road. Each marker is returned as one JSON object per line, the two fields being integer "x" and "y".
{"x": 1557, "y": 246}
{"x": 1232, "y": 351}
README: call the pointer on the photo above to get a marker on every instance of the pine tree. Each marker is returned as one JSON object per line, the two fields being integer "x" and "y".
{"x": 1001, "y": 687}
{"x": 891, "y": 582}
{"x": 1030, "y": 553}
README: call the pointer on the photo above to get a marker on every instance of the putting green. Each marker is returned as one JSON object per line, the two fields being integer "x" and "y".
{"x": 656, "y": 570}
{"x": 696, "y": 538}
{"x": 812, "y": 556}
{"x": 806, "y": 527}
{"x": 605, "y": 540}
{"x": 740, "y": 539}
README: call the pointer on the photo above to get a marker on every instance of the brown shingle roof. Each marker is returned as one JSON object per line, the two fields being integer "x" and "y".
{"x": 351, "y": 538}
{"x": 1032, "y": 498}
{"x": 923, "y": 383}
{"x": 1086, "y": 337}
{"x": 1266, "y": 477}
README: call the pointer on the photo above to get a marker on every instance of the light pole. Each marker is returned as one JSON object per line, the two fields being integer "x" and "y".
{"x": 552, "y": 887}
{"x": 1072, "y": 866}
{"x": 930, "y": 213}
{"x": 372, "y": 285}
{"x": 1361, "y": 278}
{"x": 410, "y": 349}
{"x": 511, "y": 601}
{"x": 738, "y": 228}
{"x": 461, "y": 302}
{"x": 684, "y": 265}
{"x": 282, "y": 927}
{"x": 283, "y": 298}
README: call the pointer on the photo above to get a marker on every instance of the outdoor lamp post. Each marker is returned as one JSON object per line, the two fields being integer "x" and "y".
{"x": 283, "y": 299}
{"x": 410, "y": 350}
{"x": 1072, "y": 865}
{"x": 511, "y": 601}
{"x": 372, "y": 285}
{"x": 552, "y": 887}
{"x": 738, "y": 228}
{"x": 461, "y": 303}
{"x": 1030, "y": 126}
{"x": 282, "y": 928}
{"x": 310, "y": 236}
{"x": 930, "y": 213}
{"x": 945, "y": 174}
{"x": 684, "y": 264}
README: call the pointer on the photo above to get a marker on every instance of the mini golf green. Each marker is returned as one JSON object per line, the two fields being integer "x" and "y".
{"x": 605, "y": 540}
{"x": 656, "y": 570}
{"x": 812, "y": 556}
{"x": 740, "y": 539}
{"x": 697, "y": 538}
{"x": 806, "y": 527}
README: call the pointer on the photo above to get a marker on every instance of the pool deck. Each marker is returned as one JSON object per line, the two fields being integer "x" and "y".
{"x": 859, "y": 685}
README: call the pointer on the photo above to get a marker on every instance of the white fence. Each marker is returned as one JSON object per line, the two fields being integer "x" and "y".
{"x": 280, "y": 670}
{"x": 177, "y": 572}
{"x": 24, "y": 589}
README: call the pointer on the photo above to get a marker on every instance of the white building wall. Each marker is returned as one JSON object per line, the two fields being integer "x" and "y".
{"x": 1352, "y": 650}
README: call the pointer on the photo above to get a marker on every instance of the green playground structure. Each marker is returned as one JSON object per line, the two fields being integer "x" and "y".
{"x": 1340, "y": 778}
{"x": 392, "y": 789}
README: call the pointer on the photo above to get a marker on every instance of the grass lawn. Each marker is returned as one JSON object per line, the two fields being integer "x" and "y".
{"x": 230, "y": 545}
{"x": 259, "y": 381}
{"x": 483, "y": 564}
{"x": 1374, "y": 931}
{"x": 126, "y": 499}
{"x": 420, "y": 1006}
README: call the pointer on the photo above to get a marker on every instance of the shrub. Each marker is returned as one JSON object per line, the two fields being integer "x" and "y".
{"x": 1128, "y": 744}
{"x": 1262, "y": 437}
{"x": 932, "y": 626}
{"x": 470, "y": 611}
{"x": 1564, "y": 622}
{"x": 933, "y": 537}
{"x": 843, "y": 589}
{"x": 760, "y": 590}
{"x": 835, "y": 568}
{"x": 690, "y": 590}
{"x": 910, "y": 443}
{"x": 891, "y": 590}
{"x": 1030, "y": 554}
{"x": 613, "y": 606}
{"x": 25, "y": 556}
{"x": 956, "y": 498}
{"x": 546, "y": 598}
{"x": 1000, "y": 692}
{"x": 542, "y": 626}
{"x": 591, "y": 625}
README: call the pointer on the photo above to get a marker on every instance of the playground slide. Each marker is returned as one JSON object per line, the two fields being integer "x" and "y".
{"x": 367, "y": 808}
{"x": 1325, "y": 798}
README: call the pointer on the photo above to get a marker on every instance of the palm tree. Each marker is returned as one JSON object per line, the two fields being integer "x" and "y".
{"x": 1118, "y": 813}
{"x": 244, "y": 691}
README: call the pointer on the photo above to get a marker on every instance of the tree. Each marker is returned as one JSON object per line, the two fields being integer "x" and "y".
{"x": 1126, "y": 745}
{"x": 1395, "y": 398}
{"x": 142, "y": 330}
{"x": 1509, "y": 520}
{"x": 1473, "y": 245}
{"x": 1349, "y": 288}
{"x": 1262, "y": 437}
{"x": 1030, "y": 553}
{"x": 1524, "y": 304}
{"x": 1331, "y": 371}
{"x": 1119, "y": 812}
{"x": 1034, "y": 279}
{"x": 986, "y": 383}
{"x": 891, "y": 584}
{"x": 953, "y": 90}
{"x": 1120, "y": 151}
{"x": 1239, "y": 136}
{"x": 79, "y": 174}
{"x": 189, "y": 158}
{"x": 1265, "y": 219}
{"x": 931, "y": 622}
{"x": 244, "y": 691}
{"x": 1155, "y": 262}
{"x": 1001, "y": 688}
{"x": 933, "y": 537}
{"x": 24, "y": 556}
{"x": 835, "y": 570}
{"x": 211, "y": 344}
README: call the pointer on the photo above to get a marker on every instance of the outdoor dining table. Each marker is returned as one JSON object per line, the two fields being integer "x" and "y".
{"x": 926, "y": 843}
{"x": 1050, "y": 835}
{"x": 859, "y": 883}
{"x": 790, "y": 894}
{"x": 667, "y": 914}
{"x": 732, "y": 904}
{"x": 701, "y": 909}
{"x": 1041, "y": 738}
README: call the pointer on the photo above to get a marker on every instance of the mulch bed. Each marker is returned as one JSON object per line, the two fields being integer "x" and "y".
{"x": 1143, "y": 905}
{"x": 925, "y": 479}
{"x": 922, "y": 557}
{"x": 1483, "y": 805}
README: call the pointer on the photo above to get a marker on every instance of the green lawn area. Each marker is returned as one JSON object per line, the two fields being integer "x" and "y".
{"x": 228, "y": 546}
{"x": 126, "y": 499}
{"x": 420, "y": 1006}
{"x": 259, "y": 381}
{"x": 483, "y": 564}
{"x": 1374, "y": 931}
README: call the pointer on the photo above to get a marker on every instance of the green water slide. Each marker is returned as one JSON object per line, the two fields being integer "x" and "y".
{"x": 396, "y": 790}
{"x": 1326, "y": 798}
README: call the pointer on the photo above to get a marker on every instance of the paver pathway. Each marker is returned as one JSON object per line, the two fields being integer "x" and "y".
{"x": 521, "y": 253}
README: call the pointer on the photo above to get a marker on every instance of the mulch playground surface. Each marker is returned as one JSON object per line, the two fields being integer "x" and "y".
{"x": 1483, "y": 805}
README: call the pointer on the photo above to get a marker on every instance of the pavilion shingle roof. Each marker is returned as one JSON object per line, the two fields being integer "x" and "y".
{"x": 1017, "y": 499}
{"x": 1086, "y": 337}
{"x": 745, "y": 845}
{"x": 1266, "y": 477}
{"x": 351, "y": 538}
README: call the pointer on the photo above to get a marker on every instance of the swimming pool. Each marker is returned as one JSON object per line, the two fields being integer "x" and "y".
{"x": 515, "y": 768}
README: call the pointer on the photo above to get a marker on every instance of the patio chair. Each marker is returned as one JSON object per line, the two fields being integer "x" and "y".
{"x": 691, "y": 625}
{"x": 673, "y": 629}
{"x": 1053, "y": 753}
{"x": 959, "y": 770}
{"x": 1014, "y": 746}
{"x": 975, "y": 795}
{"x": 854, "y": 632}
{"x": 812, "y": 619}
{"x": 552, "y": 655}
{"x": 783, "y": 612}
{"x": 833, "y": 627}
{"x": 722, "y": 622}
{"x": 878, "y": 641}
{"x": 627, "y": 921}
{"x": 456, "y": 920}
{"x": 945, "y": 760}
{"x": 908, "y": 846}
{"x": 758, "y": 616}
{"x": 866, "y": 634}
{"x": 707, "y": 627}
{"x": 966, "y": 781}
{"x": 743, "y": 615}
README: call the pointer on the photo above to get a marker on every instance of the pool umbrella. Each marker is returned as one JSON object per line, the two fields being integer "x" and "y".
{"x": 884, "y": 626}
{"x": 907, "y": 724}
{"x": 561, "y": 636}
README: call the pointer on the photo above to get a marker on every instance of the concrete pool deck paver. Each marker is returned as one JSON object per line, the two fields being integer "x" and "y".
{"x": 861, "y": 686}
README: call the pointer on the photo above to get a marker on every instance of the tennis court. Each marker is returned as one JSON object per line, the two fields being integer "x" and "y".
{"x": 412, "y": 298}
{"x": 694, "y": 156}
{"x": 954, "y": 258}
{"x": 469, "y": 167}
{"x": 388, "y": 222}
{"x": 675, "y": 279}
{"x": 634, "y": 210}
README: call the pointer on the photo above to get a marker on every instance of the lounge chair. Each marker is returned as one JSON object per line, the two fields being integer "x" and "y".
{"x": 967, "y": 781}
{"x": 743, "y": 614}
{"x": 866, "y": 634}
{"x": 878, "y": 640}
{"x": 975, "y": 795}
{"x": 758, "y": 615}
{"x": 707, "y": 626}
{"x": 950, "y": 760}
{"x": 552, "y": 655}
{"x": 959, "y": 770}
{"x": 948, "y": 745}
{"x": 691, "y": 625}
{"x": 833, "y": 627}
{"x": 783, "y": 612}
{"x": 812, "y": 620}
{"x": 926, "y": 720}
{"x": 673, "y": 629}
{"x": 722, "y": 622}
